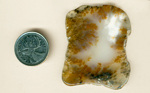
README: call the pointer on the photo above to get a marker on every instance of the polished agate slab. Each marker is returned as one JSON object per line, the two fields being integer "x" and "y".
{"x": 97, "y": 37}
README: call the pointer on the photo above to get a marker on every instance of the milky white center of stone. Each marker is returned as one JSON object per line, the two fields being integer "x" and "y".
{"x": 103, "y": 52}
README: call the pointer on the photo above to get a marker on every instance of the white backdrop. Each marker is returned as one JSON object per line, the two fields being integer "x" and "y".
{"x": 48, "y": 18}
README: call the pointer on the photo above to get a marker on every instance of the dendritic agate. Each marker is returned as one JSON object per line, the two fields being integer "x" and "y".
{"x": 97, "y": 37}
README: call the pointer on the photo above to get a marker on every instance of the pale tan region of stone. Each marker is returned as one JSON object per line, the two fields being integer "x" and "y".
{"x": 82, "y": 34}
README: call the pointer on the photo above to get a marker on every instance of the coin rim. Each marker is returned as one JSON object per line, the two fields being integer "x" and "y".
{"x": 24, "y": 34}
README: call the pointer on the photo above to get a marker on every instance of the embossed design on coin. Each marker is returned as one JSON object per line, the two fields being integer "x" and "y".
{"x": 31, "y": 48}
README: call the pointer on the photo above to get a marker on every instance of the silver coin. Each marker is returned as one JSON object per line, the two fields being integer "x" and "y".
{"x": 31, "y": 48}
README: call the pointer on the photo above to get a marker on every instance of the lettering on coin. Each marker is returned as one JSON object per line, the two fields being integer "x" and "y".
{"x": 31, "y": 48}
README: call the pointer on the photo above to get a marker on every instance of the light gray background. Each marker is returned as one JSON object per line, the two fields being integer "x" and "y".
{"x": 48, "y": 17}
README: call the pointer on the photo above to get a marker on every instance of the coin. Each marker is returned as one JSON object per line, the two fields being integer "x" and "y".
{"x": 31, "y": 48}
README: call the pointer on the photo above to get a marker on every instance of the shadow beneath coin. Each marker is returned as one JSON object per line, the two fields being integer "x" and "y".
{"x": 47, "y": 36}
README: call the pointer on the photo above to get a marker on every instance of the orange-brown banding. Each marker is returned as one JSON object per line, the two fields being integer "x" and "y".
{"x": 117, "y": 11}
{"x": 83, "y": 35}
{"x": 102, "y": 13}
{"x": 123, "y": 30}
{"x": 120, "y": 42}
{"x": 80, "y": 33}
{"x": 121, "y": 39}
{"x": 107, "y": 8}
{"x": 118, "y": 59}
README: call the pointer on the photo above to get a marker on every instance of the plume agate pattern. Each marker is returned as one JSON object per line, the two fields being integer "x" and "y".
{"x": 97, "y": 37}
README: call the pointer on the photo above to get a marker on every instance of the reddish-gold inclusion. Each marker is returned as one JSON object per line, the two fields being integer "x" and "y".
{"x": 82, "y": 34}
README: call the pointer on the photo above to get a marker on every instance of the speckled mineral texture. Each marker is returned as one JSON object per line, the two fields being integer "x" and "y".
{"x": 97, "y": 37}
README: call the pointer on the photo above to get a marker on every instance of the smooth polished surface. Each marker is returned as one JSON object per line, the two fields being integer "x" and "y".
{"x": 48, "y": 18}
{"x": 96, "y": 52}
{"x": 31, "y": 48}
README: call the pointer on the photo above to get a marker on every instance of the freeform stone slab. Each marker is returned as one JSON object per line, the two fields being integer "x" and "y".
{"x": 97, "y": 37}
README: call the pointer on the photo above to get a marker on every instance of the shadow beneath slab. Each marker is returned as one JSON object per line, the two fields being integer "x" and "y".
{"x": 106, "y": 3}
{"x": 100, "y": 4}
